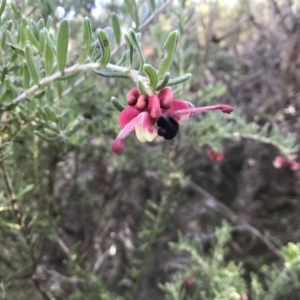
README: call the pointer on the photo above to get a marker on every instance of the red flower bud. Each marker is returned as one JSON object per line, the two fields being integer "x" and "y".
{"x": 166, "y": 97}
{"x": 132, "y": 96}
{"x": 142, "y": 102}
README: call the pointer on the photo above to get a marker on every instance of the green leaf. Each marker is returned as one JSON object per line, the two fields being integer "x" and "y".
{"x": 25, "y": 190}
{"x": 34, "y": 28}
{"x": 41, "y": 24}
{"x": 162, "y": 83}
{"x": 26, "y": 76}
{"x": 31, "y": 65}
{"x": 48, "y": 39}
{"x": 179, "y": 79}
{"x": 130, "y": 49}
{"x": 136, "y": 45}
{"x": 67, "y": 76}
{"x": 3, "y": 145}
{"x": 117, "y": 104}
{"x": 21, "y": 34}
{"x": 10, "y": 86}
{"x": 49, "y": 59}
{"x": 110, "y": 35}
{"x": 16, "y": 49}
{"x": 110, "y": 74}
{"x": 152, "y": 4}
{"x": 62, "y": 43}
{"x": 142, "y": 88}
{"x": 10, "y": 225}
{"x": 31, "y": 38}
{"x": 3, "y": 40}
{"x": 87, "y": 36}
{"x": 132, "y": 9}
{"x": 16, "y": 11}
{"x": 59, "y": 88}
{"x": 170, "y": 46}
{"x": 49, "y": 22}
{"x": 145, "y": 11}
{"x": 43, "y": 136}
{"x": 105, "y": 47}
{"x": 152, "y": 76}
{"x": 42, "y": 41}
{"x": 116, "y": 27}
{"x": 2, "y": 7}
{"x": 6, "y": 156}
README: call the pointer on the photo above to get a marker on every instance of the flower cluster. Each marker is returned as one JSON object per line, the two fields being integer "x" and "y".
{"x": 162, "y": 110}
{"x": 289, "y": 162}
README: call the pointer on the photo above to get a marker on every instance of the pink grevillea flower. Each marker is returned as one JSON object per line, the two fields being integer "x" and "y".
{"x": 280, "y": 162}
{"x": 144, "y": 112}
{"x": 215, "y": 155}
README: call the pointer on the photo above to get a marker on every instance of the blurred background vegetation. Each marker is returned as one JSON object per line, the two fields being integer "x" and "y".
{"x": 161, "y": 220}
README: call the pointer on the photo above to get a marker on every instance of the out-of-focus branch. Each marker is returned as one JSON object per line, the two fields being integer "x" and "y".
{"x": 212, "y": 203}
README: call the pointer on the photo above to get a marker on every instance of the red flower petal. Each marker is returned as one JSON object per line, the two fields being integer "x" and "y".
{"x": 127, "y": 115}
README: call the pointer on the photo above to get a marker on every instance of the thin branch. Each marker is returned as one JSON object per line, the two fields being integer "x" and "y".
{"x": 213, "y": 203}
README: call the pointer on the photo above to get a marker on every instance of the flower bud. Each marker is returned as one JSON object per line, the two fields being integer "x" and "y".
{"x": 154, "y": 107}
{"x": 166, "y": 97}
{"x": 132, "y": 96}
{"x": 142, "y": 102}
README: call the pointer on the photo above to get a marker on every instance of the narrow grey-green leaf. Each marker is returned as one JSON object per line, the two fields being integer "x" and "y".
{"x": 116, "y": 27}
{"x": 49, "y": 59}
{"x": 48, "y": 39}
{"x": 170, "y": 46}
{"x": 41, "y": 24}
{"x": 136, "y": 45}
{"x": 43, "y": 136}
{"x": 105, "y": 47}
{"x": 130, "y": 8}
{"x": 21, "y": 34}
{"x": 152, "y": 4}
{"x": 142, "y": 88}
{"x": 87, "y": 36}
{"x": 49, "y": 22}
{"x": 3, "y": 40}
{"x": 145, "y": 11}
{"x": 31, "y": 65}
{"x": 26, "y": 76}
{"x": 62, "y": 43}
{"x": 6, "y": 156}
{"x": 179, "y": 79}
{"x": 152, "y": 76}
{"x": 59, "y": 88}
{"x": 130, "y": 49}
{"x": 16, "y": 11}
{"x": 31, "y": 38}
{"x": 2, "y": 7}
{"x": 10, "y": 86}
{"x": 34, "y": 28}
{"x": 117, "y": 104}
{"x": 162, "y": 83}
{"x": 110, "y": 74}
{"x": 16, "y": 49}
{"x": 42, "y": 41}
{"x": 110, "y": 35}
{"x": 67, "y": 76}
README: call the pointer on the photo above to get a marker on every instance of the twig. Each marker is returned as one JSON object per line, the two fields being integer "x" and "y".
{"x": 212, "y": 202}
